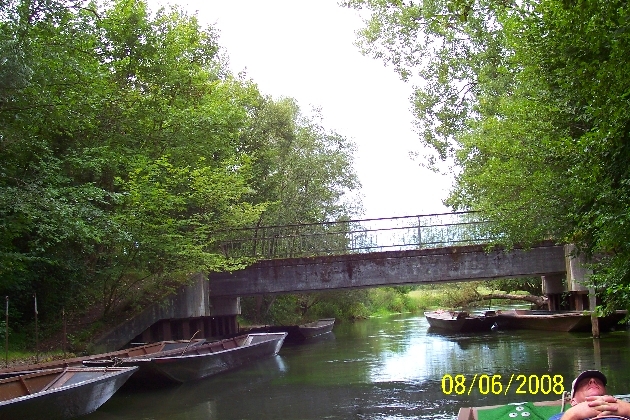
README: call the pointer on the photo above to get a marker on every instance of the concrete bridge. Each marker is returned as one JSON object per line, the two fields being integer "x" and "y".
{"x": 389, "y": 268}
{"x": 404, "y": 250}
{"x": 344, "y": 255}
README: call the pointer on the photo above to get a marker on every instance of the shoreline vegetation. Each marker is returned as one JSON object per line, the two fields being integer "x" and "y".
{"x": 382, "y": 301}
{"x": 345, "y": 306}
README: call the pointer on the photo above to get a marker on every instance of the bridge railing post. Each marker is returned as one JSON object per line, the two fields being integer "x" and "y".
{"x": 355, "y": 236}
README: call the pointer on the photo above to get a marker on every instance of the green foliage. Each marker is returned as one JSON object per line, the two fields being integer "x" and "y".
{"x": 302, "y": 170}
{"x": 294, "y": 309}
{"x": 126, "y": 145}
{"x": 530, "y": 101}
{"x": 389, "y": 300}
{"x": 428, "y": 297}
{"x": 340, "y": 304}
{"x": 531, "y": 285}
{"x": 89, "y": 202}
{"x": 4, "y": 332}
{"x": 461, "y": 295}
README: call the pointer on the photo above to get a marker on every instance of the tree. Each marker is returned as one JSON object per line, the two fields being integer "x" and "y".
{"x": 119, "y": 151}
{"x": 128, "y": 149}
{"x": 302, "y": 168}
{"x": 530, "y": 100}
{"x": 302, "y": 171}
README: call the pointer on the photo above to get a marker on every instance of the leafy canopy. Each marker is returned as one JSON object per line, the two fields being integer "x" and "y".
{"x": 126, "y": 145}
{"x": 530, "y": 100}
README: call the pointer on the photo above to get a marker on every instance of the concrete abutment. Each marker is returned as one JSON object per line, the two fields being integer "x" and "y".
{"x": 190, "y": 311}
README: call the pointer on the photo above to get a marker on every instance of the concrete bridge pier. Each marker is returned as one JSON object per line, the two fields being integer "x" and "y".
{"x": 553, "y": 288}
{"x": 220, "y": 320}
{"x": 227, "y": 308}
{"x": 188, "y": 312}
{"x": 577, "y": 278}
{"x": 581, "y": 297}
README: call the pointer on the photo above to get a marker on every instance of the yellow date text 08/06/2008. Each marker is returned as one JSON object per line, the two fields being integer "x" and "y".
{"x": 497, "y": 384}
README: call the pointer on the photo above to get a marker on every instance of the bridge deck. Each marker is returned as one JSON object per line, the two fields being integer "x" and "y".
{"x": 449, "y": 264}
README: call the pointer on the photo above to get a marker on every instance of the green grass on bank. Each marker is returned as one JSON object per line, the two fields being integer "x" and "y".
{"x": 25, "y": 357}
{"x": 457, "y": 295}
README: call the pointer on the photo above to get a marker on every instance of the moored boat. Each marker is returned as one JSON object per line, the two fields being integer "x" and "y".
{"x": 59, "y": 394}
{"x": 136, "y": 351}
{"x": 562, "y": 321}
{"x": 459, "y": 321}
{"x": 299, "y": 333}
{"x": 200, "y": 361}
{"x": 316, "y": 328}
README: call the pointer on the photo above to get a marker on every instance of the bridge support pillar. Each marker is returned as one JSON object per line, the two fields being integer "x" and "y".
{"x": 577, "y": 272}
{"x": 577, "y": 280}
{"x": 582, "y": 294}
{"x": 553, "y": 288}
{"x": 220, "y": 306}
{"x": 225, "y": 310}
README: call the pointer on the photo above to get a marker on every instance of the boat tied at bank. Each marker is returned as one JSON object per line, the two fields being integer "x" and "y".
{"x": 198, "y": 362}
{"x": 61, "y": 393}
{"x": 520, "y": 319}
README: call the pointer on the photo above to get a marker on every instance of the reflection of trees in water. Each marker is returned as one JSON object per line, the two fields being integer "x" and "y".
{"x": 527, "y": 352}
{"x": 380, "y": 368}
{"x": 194, "y": 400}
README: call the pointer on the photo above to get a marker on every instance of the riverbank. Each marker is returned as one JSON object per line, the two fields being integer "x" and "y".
{"x": 344, "y": 306}
{"x": 29, "y": 358}
{"x": 364, "y": 303}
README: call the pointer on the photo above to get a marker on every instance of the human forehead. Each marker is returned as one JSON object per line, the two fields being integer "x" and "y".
{"x": 586, "y": 380}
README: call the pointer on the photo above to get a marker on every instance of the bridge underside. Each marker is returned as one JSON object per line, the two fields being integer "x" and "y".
{"x": 465, "y": 263}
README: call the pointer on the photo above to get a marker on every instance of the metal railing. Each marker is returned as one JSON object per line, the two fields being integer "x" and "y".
{"x": 357, "y": 236}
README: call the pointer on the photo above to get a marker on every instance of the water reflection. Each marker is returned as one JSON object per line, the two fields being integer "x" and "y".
{"x": 194, "y": 400}
{"x": 389, "y": 368}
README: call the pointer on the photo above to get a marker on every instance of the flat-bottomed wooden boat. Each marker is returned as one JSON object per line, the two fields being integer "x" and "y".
{"x": 299, "y": 333}
{"x": 316, "y": 328}
{"x": 136, "y": 351}
{"x": 59, "y": 394}
{"x": 562, "y": 321}
{"x": 460, "y": 322}
{"x": 200, "y": 361}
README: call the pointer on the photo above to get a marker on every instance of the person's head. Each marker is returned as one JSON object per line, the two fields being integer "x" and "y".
{"x": 587, "y": 383}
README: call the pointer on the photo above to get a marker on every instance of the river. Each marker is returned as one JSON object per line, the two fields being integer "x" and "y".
{"x": 386, "y": 368}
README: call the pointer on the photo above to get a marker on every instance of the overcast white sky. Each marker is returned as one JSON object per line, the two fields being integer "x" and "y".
{"x": 305, "y": 49}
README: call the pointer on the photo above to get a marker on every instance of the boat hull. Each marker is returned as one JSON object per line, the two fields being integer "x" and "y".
{"x": 200, "y": 361}
{"x": 561, "y": 321}
{"x": 300, "y": 333}
{"x": 459, "y": 322}
{"x": 82, "y": 394}
{"x": 198, "y": 366}
{"x": 143, "y": 350}
{"x": 317, "y": 328}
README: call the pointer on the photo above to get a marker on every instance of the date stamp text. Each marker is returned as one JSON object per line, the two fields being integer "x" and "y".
{"x": 498, "y": 384}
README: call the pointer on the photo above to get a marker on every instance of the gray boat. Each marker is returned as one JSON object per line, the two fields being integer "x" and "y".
{"x": 140, "y": 350}
{"x": 299, "y": 333}
{"x": 199, "y": 361}
{"x": 59, "y": 394}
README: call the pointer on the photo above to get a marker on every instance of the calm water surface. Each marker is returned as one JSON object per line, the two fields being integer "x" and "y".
{"x": 386, "y": 368}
